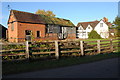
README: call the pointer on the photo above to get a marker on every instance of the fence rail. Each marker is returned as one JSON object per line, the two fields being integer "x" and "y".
{"x": 59, "y": 48}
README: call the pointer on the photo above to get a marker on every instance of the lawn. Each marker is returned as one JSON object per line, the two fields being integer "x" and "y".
{"x": 102, "y": 42}
{"x": 34, "y": 65}
{"x": 99, "y": 39}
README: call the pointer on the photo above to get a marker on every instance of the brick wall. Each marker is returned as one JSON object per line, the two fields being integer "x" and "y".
{"x": 71, "y": 36}
{"x": 18, "y": 35}
{"x": 18, "y": 32}
{"x": 12, "y": 34}
{"x": 33, "y": 27}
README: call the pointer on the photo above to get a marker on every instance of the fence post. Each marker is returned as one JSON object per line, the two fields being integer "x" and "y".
{"x": 27, "y": 49}
{"x": 98, "y": 46}
{"x": 56, "y": 50}
{"x": 82, "y": 47}
{"x": 111, "y": 45}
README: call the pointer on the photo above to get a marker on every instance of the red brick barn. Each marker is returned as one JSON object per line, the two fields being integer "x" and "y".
{"x": 24, "y": 25}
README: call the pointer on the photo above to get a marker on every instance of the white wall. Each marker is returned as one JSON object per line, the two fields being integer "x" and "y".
{"x": 103, "y": 31}
{"x": 89, "y": 30}
{"x": 81, "y": 33}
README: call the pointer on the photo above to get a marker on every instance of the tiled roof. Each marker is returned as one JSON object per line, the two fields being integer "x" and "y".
{"x": 41, "y": 19}
{"x": 85, "y": 24}
{"x": 109, "y": 24}
{"x": 92, "y": 23}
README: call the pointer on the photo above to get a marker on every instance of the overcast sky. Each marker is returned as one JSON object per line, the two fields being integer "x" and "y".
{"x": 74, "y": 11}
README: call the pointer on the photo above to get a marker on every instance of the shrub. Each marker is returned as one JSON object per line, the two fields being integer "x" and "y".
{"x": 94, "y": 35}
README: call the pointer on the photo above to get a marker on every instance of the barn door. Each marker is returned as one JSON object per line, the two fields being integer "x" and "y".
{"x": 64, "y": 32}
{"x": 28, "y": 34}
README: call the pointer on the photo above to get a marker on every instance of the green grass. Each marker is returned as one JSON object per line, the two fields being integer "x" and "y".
{"x": 94, "y": 39}
{"x": 26, "y": 66}
{"x": 101, "y": 40}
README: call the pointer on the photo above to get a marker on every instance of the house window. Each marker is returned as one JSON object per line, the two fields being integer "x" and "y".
{"x": 28, "y": 32}
{"x": 101, "y": 24}
{"x": 28, "y": 35}
{"x": 12, "y": 26}
{"x": 38, "y": 33}
{"x": 88, "y": 27}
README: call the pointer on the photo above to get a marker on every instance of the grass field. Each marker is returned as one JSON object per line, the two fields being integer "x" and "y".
{"x": 34, "y": 65}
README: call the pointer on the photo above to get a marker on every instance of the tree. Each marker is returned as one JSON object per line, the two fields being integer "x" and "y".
{"x": 105, "y": 19}
{"x": 117, "y": 22}
{"x": 47, "y": 13}
{"x": 117, "y": 26}
{"x": 50, "y": 13}
{"x": 94, "y": 35}
{"x": 40, "y": 12}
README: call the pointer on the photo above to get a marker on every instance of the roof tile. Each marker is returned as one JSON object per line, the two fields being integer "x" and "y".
{"x": 39, "y": 18}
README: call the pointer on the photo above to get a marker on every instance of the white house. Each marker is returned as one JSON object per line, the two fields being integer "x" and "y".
{"x": 101, "y": 27}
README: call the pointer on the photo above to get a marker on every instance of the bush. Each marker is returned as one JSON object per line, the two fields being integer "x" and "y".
{"x": 94, "y": 35}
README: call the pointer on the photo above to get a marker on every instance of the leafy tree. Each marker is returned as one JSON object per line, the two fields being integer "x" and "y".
{"x": 50, "y": 13}
{"x": 117, "y": 26}
{"x": 117, "y": 22}
{"x": 94, "y": 35}
{"x": 105, "y": 19}
{"x": 47, "y": 13}
{"x": 40, "y": 12}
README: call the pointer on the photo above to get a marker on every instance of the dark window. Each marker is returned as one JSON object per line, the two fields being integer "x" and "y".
{"x": 28, "y": 32}
{"x": 38, "y": 33}
{"x": 12, "y": 26}
{"x": 76, "y": 28}
{"x": 88, "y": 27}
{"x": 60, "y": 29}
{"x": 46, "y": 29}
{"x": 101, "y": 24}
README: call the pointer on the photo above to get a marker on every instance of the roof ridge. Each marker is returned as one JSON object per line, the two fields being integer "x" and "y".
{"x": 37, "y": 18}
{"x": 89, "y": 21}
{"x": 23, "y": 11}
{"x": 40, "y": 14}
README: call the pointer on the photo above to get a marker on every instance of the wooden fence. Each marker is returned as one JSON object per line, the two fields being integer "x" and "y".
{"x": 57, "y": 49}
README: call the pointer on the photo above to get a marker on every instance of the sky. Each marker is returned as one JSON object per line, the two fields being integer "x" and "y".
{"x": 74, "y": 11}
{"x": 119, "y": 9}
